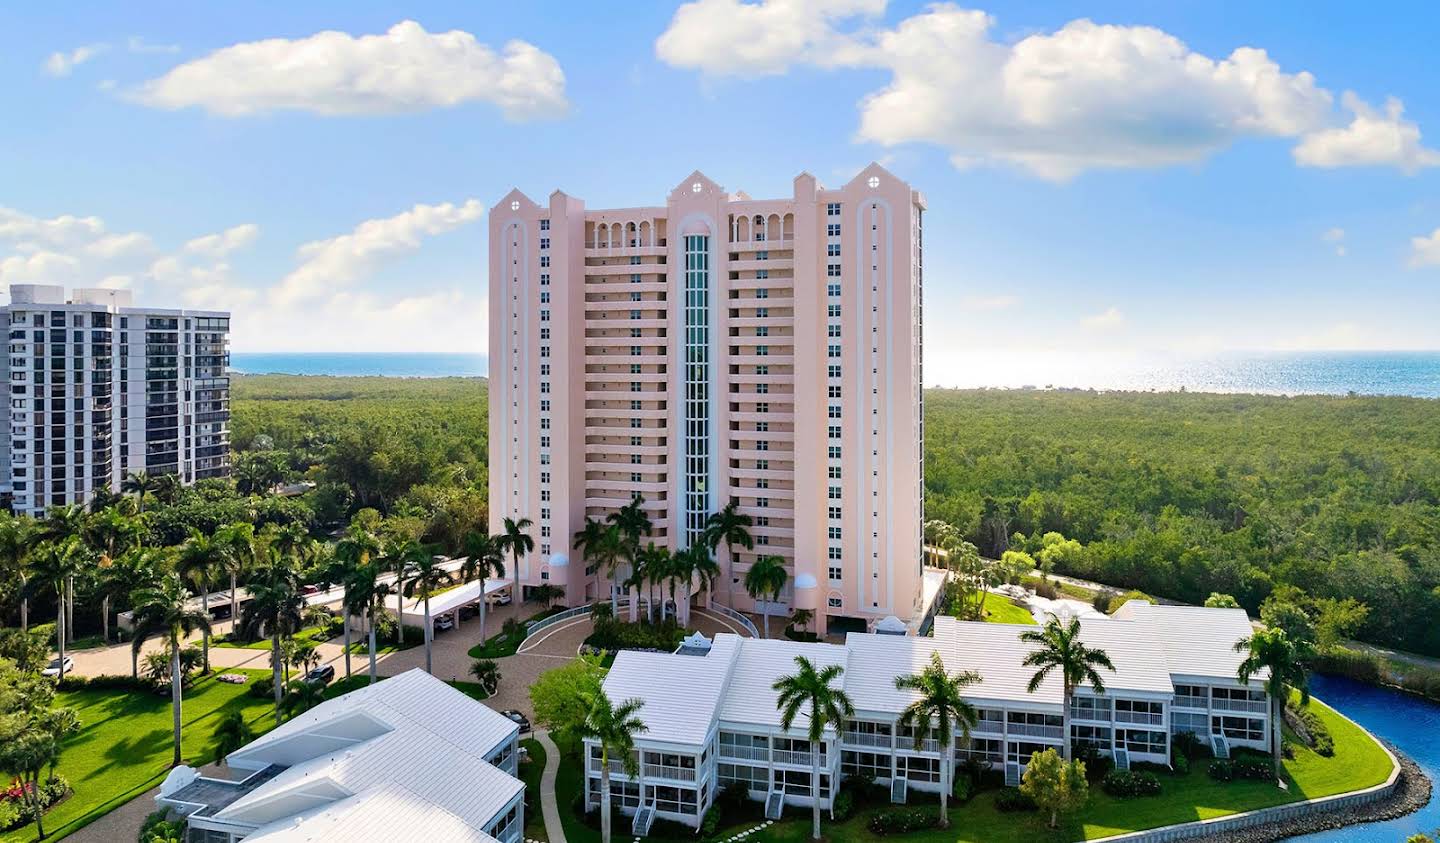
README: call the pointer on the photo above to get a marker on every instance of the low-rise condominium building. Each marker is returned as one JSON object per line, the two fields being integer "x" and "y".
{"x": 408, "y": 758}
{"x": 711, "y": 719}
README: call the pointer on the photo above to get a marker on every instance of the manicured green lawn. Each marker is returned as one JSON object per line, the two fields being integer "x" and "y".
{"x": 1358, "y": 763}
{"x": 1000, "y": 609}
{"x": 310, "y": 634}
{"x": 501, "y": 645}
{"x": 124, "y": 746}
{"x": 530, "y": 773}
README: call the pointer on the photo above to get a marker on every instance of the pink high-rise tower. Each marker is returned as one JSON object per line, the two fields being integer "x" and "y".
{"x": 711, "y": 349}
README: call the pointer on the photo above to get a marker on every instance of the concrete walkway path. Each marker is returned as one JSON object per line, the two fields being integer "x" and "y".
{"x": 549, "y": 805}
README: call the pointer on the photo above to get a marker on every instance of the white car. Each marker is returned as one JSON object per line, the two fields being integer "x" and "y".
{"x": 443, "y": 623}
{"x": 53, "y": 669}
{"x": 499, "y": 598}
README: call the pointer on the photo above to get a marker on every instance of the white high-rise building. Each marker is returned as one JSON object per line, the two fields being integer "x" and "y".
{"x": 100, "y": 390}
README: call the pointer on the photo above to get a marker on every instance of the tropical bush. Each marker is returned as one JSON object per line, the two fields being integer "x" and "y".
{"x": 1128, "y": 784}
{"x": 1308, "y": 726}
{"x": 1240, "y": 768}
{"x": 903, "y": 820}
{"x": 1011, "y": 800}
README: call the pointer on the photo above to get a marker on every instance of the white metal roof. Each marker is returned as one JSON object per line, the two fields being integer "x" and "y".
{"x": 749, "y": 698}
{"x": 412, "y": 729}
{"x": 1140, "y": 666}
{"x": 454, "y": 598}
{"x": 681, "y": 693}
{"x": 380, "y": 815}
{"x": 1197, "y": 641}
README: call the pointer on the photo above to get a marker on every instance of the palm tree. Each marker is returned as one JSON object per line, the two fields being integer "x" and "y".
{"x": 231, "y": 733}
{"x": 275, "y": 608}
{"x": 766, "y": 578}
{"x": 729, "y": 527}
{"x": 141, "y": 483}
{"x": 516, "y": 542}
{"x": 24, "y": 757}
{"x": 825, "y": 705}
{"x": 939, "y": 709}
{"x": 165, "y": 611}
{"x": 547, "y": 593}
{"x": 599, "y": 545}
{"x": 200, "y": 559}
{"x": 487, "y": 673}
{"x": 110, "y": 533}
{"x": 168, "y": 488}
{"x": 1060, "y": 648}
{"x": 632, "y": 523}
{"x": 614, "y": 728}
{"x": 241, "y": 550}
{"x": 363, "y": 593}
{"x": 15, "y": 548}
{"x": 428, "y": 576}
{"x": 1286, "y": 662}
{"x": 55, "y": 564}
{"x": 63, "y": 523}
{"x": 135, "y": 569}
{"x": 302, "y": 696}
{"x": 354, "y": 550}
{"x": 402, "y": 555}
{"x": 291, "y": 542}
{"x": 484, "y": 557}
{"x": 703, "y": 571}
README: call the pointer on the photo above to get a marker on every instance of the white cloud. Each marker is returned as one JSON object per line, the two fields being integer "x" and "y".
{"x": 339, "y": 260}
{"x": 1371, "y": 139}
{"x": 728, "y": 37}
{"x": 1086, "y": 96}
{"x": 221, "y": 244}
{"x": 62, "y": 63}
{"x": 336, "y": 73}
{"x": 120, "y": 245}
{"x": 65, "y": 229}
{"x": 1110, "y": 320}
{"x": 1337, "y": 236}
{"x": 1425, "y": 251}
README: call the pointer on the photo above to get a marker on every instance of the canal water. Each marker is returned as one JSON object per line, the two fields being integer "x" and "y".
{"x": 1406, "y": 721}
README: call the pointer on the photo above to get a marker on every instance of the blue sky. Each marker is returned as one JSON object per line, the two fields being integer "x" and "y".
{"x": 1104, "y": 178}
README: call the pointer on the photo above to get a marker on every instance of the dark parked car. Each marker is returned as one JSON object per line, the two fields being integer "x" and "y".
{"x": 322, "y": 675}
{"x": 518, "y": 718}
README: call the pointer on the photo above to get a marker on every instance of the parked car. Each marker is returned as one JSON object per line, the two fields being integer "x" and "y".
{"x": 322, "y": 675}
{"x": 53, "y": 669}
{"x": 499, "y": 598}
{"x": 443, "y": 623}
{"x": 310, "y": 589}
{"x": 469, "y": 610}
{"x": 519, "y": 718}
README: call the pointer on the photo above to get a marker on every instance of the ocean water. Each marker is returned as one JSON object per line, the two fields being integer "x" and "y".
{"x": 1414, "y": 373}
{"x": 395, "y": 365}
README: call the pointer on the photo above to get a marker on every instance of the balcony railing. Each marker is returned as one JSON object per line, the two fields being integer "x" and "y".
{"x": 660, "y": 771}
{"x": 993, "y": 727}
{"x": 1141, "y": 717}
{"x": 925, "y": 745}
{"x": 1250, "y": 706}
{"x": 1036, "y": 730}
{"x": 867, "y": 739}
{"x": 786, "y": 756}
{"x": 1191, "y": 701}
{"x": 745, "y": 753}
{"x": 1100, "y": 716}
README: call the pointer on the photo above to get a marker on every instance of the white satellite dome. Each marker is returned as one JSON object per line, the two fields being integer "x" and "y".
{"x": 805, "y": 581}
{"x": 559, "y": 560}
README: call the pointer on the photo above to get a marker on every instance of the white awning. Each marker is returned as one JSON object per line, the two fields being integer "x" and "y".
{"x": 453, "y": 599}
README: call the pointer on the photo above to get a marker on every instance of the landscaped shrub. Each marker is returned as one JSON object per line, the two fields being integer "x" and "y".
{"x": 1187, "y": 744}
{"x": 1180, "y": 762}
{"x": 904, "y": 820}
{"x": 711, "y": 823}
{"x": 1097, "y": 763}
{"x": 616, "y": 635}
{"x": 1128, "y": 784}
{"x": 844, "y": 805}
{"x": 1240, "y": 768}
{"x": 12, "y": 814}
{"x": 1101, "y": 602}
{"x": 963, "y": 790}
{"x": 1311, "y": 729}
{"x": 104, "y": 683}
{"x": 1046, "y": 589}
{"x": 1011, "y": 800}
{"x": 1121, "y": 599}
{"x": 1150, "y": 767}
{"x": 734, "y": 796}
{"x": 262, "y": 688}
{"x": 157, "y": 829}
{"x": 54, "y": 789}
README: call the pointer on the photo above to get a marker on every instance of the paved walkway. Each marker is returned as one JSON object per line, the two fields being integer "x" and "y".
{"x": 549, "y": 805}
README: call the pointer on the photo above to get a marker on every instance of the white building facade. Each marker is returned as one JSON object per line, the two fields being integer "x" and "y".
{"x": 711, "y": 719}
{"x": 100, "y": 389}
